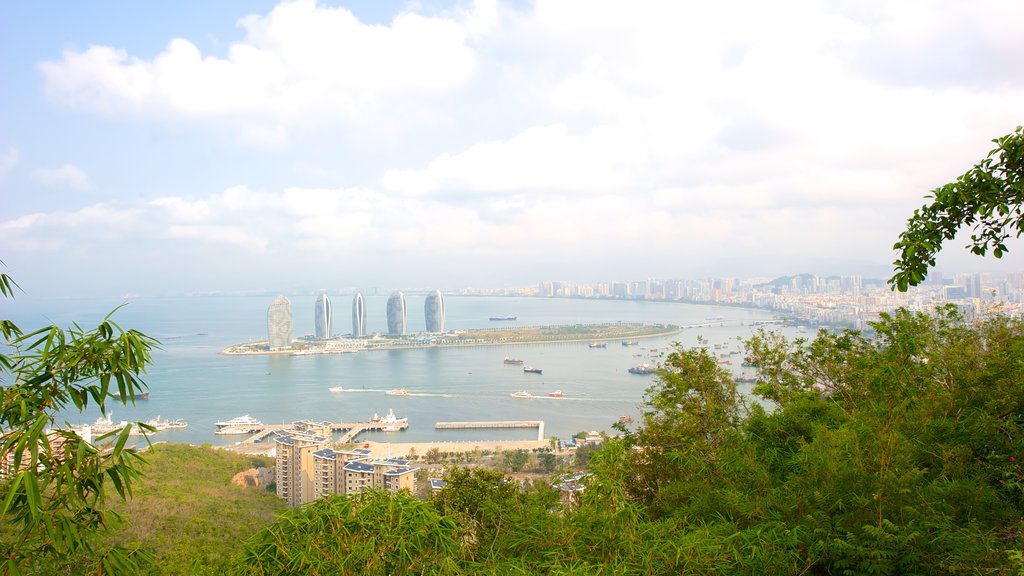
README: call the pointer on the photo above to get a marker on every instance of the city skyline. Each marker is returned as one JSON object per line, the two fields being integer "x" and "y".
{"x": 154, "y": 148}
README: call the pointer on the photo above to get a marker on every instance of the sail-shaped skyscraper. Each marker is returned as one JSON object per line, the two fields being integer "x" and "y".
{"x": 279, "y": 323}
{"x": 433, "y": 311}
{"x": 396, "y": 314}
{"x": 358, "y": 316}
{"x": 322, "y": 317}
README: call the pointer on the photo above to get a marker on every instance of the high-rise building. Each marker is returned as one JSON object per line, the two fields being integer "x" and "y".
{"x": 397, "y": 316}
{"x": 433, "y": 311}
{"x": 294, "y": 470}
{"x": 322, "y": 317}
{"x": 279, "y": 323}
{"x": 358, "y": 315}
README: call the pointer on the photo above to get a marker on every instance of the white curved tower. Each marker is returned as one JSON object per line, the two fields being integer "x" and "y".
{"x": 433, "y": 311}
{"x": 322, "y": 317}
{"x": 396, "y": 314}
{"x": 279, "y": 323}
{"x": 358, "y": 315}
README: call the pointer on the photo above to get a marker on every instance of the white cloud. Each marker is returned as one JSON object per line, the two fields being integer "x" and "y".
{"x": 71, "y": 232}
{"x": 8, "y": 160}
{"x": 572, "y": 131}
{"x": 68, "y": 177}
{"x": 299, "y": 64}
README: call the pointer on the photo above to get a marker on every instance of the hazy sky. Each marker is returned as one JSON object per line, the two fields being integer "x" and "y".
{"x": 165, "y": 147}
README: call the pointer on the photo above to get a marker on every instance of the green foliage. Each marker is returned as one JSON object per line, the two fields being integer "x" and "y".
{"x": 989, "y": 197}
{"x": 547, "y": 461}
{"x": 187, "y": 511}
{"x": 514, "y": 460}
{"x": 374, "y": 533}
{"x": 895, "y": 453}
{"x": 52, "y": 502}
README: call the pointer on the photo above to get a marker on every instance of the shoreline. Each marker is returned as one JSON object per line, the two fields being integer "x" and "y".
{"x": 229, "y": 350}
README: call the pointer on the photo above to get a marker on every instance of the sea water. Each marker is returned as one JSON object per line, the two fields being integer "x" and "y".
{"x": 191, "y": 380}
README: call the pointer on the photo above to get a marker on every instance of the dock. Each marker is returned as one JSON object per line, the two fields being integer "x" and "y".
{"x": 349, "y": 430}
{"x": 493, "y": 424}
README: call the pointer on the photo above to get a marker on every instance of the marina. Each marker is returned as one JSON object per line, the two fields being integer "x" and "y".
{"x": 348, "y": 430}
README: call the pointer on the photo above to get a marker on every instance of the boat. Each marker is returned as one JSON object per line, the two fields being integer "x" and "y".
{"x": 240, "y": 425}
{"x": 390, "y": 422}
{"x": 138, "y": 395}
{"x": 556, "y": 394}
{"x": 106, "y": 423}
{"x": 532, "y": 370}
{"x": 336, "y": 389}
{"x": 501, "y": 318}
{"x": 598, "y": 344}
{"x": 160, "y": 424}
{"x": 642, "y": 369}
{"x": 397, "y": 392}
{"x": 630, "y": 343}
{"x": 516, "y": 361}
{"x": 625, "y": 420}
{"x": 522, "y": 394}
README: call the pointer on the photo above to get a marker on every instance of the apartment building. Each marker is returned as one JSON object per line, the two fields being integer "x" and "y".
{"x": 294, "y": 470}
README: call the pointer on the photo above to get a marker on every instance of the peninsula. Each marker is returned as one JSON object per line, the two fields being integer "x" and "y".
{"x": 476, "y": 337}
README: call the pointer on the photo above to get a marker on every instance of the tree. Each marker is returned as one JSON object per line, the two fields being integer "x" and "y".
{"x": 989, "y": 197}
{"x": 548, "y": 461}
{"x": 53, "y": 491}
{"x": 514, "y": 460}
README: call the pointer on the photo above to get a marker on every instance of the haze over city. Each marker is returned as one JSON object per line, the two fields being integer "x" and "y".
{"x": 182, "y": 147}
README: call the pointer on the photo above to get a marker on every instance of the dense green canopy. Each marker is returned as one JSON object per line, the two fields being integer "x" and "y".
{"x": 897, "y": 453}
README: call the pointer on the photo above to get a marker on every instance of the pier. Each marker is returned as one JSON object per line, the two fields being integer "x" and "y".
{"x": 493, "y": 424}
{"x": 349, "y": 430}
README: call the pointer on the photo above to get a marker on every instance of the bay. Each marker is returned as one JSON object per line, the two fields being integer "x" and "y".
{"x": 192, "y": 381}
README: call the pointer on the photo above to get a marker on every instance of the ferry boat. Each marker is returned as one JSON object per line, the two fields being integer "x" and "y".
{"x": 106, "y": 423}
{"x": 556, "y": 394}
{"x": 522, "y": 394}
{"x": 598, "y": 344}
{"x": 397, "y": 392}
{"x": 532, "y": 370}
{"x": 161, "y": 425}
{"x": 336, "y": 389}
{"x": 642, "y": 369}
{"x": 390, "y": 422}
{"x": 240, "y": 425}
{"x": 515, "y": 361}
{"x": 501, "y": 318}
{"x": 630, "y": 343}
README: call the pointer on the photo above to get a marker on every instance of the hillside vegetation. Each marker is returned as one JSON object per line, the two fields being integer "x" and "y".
{"x": 187, "y": 511}
{"x": 892, "y": 454}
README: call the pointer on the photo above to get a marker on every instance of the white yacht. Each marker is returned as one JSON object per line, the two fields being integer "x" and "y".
{"x": 397, "y": 392}
{"x": 522, "y": 394}
{"x": 240, "y": 425}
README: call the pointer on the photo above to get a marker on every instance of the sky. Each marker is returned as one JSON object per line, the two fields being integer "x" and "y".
{"x": 160, "y": 148}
